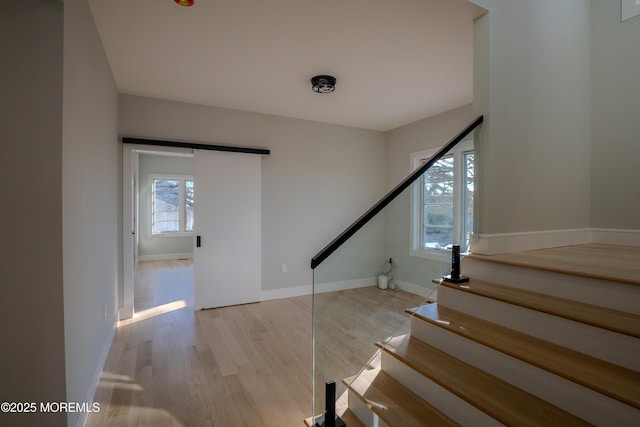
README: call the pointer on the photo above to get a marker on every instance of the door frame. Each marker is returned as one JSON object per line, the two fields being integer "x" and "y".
{"x": 130, "y": 222}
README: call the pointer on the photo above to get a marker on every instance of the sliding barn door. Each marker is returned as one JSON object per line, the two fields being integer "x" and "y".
{"x": 227, "y": 225}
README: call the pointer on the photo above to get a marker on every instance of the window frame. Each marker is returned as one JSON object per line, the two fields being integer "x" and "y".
{"x": 417, "y": 214}
{"x": 182, "y": 202}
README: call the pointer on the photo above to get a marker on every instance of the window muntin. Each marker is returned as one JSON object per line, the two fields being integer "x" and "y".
{"x": 171, "y": 204}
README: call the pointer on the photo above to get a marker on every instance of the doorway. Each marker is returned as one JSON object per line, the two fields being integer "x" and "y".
{"x": 150, "y": 234}
{"x": 225, "y": 238}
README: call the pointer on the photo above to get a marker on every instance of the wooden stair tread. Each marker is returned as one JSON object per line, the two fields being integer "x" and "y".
{"x": 606, "y": 318}
{"x": 597, "y": 261}
{"x": 607, "y": 378}
{"x": 498, "y": 399}
{"x": 393, "y": 403}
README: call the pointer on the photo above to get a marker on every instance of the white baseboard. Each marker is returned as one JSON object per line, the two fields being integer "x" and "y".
{"x": 93, "y": 386}
{"x": 163, "y": 257}
{"x": 319, "y": 288}
{"x": 615, "y": 237}
{"x": 423, "y": 291}
{"x": 296, "y": 291}
{"x": 492, "y": 244}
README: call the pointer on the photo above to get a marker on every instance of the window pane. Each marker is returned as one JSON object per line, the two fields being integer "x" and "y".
{"x": 438, "y": 204}
{"x": 166, "y": 210}
{"x": 468, "y": 199}
{"x": 442, "y": 170}
{"x": 189, "y": 205}
{"x": 438, "y": 237}
{"x": 439, "y": 215}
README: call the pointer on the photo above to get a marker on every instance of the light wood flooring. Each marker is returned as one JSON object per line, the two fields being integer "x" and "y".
{"x": 247, "y": 365}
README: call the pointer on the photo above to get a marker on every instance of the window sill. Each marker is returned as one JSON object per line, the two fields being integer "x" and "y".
{"x": 173, "y": 234}
{"x": 443, "y": 255}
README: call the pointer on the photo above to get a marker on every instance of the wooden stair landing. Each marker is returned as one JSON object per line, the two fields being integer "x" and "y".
{"x": 500, "y": 400}
{"x": 607, "y": 378}
{"x": 597, "y": 261}
{"x": 617, "y": 321}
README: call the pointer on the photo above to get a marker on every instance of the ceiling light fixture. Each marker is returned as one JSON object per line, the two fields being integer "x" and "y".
{"x": 186, "y": 3}
{"x": 323, "y": 84}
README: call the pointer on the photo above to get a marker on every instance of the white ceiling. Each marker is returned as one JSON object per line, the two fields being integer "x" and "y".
{"x": 396, "y": 61}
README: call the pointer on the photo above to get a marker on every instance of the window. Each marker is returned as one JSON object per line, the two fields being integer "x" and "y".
{"x": 443, "y": 202}
{"x": 171, "y": 204}
{"x": 629, "y": 9}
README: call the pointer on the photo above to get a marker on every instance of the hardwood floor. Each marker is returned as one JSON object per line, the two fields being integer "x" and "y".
{"x": 247, "y": 365}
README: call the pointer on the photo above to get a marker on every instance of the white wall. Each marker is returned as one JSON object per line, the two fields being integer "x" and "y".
{"x": 32, "y": 367}
{"x": 151, "y": 245}
{"x": 533, "y": 84}
{"x": 91, "y": 203}
{"x": 317, "y": 180}
{"x": 615, "y": 124}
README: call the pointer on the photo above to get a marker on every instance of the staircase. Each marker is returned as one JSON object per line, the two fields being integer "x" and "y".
{"x": 548, "y": 338}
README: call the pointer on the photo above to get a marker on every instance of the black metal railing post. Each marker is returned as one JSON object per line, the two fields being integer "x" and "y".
{"x": 455, "y": 276}
{"x": 330, "y": 419}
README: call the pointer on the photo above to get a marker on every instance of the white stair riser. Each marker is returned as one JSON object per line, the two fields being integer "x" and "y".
{"x": 604, "y": 344}
{"x": 446, "y": 402}
{"x": 360, "y": 410}
{"x": 614, "y": 295}
{"x": 574, "y": 398}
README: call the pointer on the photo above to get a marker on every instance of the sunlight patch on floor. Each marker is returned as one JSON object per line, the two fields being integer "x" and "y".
{"x": 155, "y": 311}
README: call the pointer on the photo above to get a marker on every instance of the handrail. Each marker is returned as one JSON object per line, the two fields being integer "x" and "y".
{"x": 391, "y": 195}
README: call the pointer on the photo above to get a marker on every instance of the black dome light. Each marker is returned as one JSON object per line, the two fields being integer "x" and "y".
{"x": 323, "y": 84}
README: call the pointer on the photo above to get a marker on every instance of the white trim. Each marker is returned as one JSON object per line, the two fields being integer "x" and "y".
{"x": 629, "y": 9}
{"x": 615, "y": 237}
{"x": 93, "y": 386}
{"x": 492, "y": 244}
{"x": 433, "y": 254}
{"x": 297, "y": 291}
{"x": 426, "y": 292}
{"x": 128, "y": 229}
{"x": 320, "y": 288}
{"x": 162, "y": 257}
{"x": 423, "y": 291}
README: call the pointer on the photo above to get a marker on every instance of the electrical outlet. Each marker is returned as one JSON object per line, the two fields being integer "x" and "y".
{"x": 283, "y": 268}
